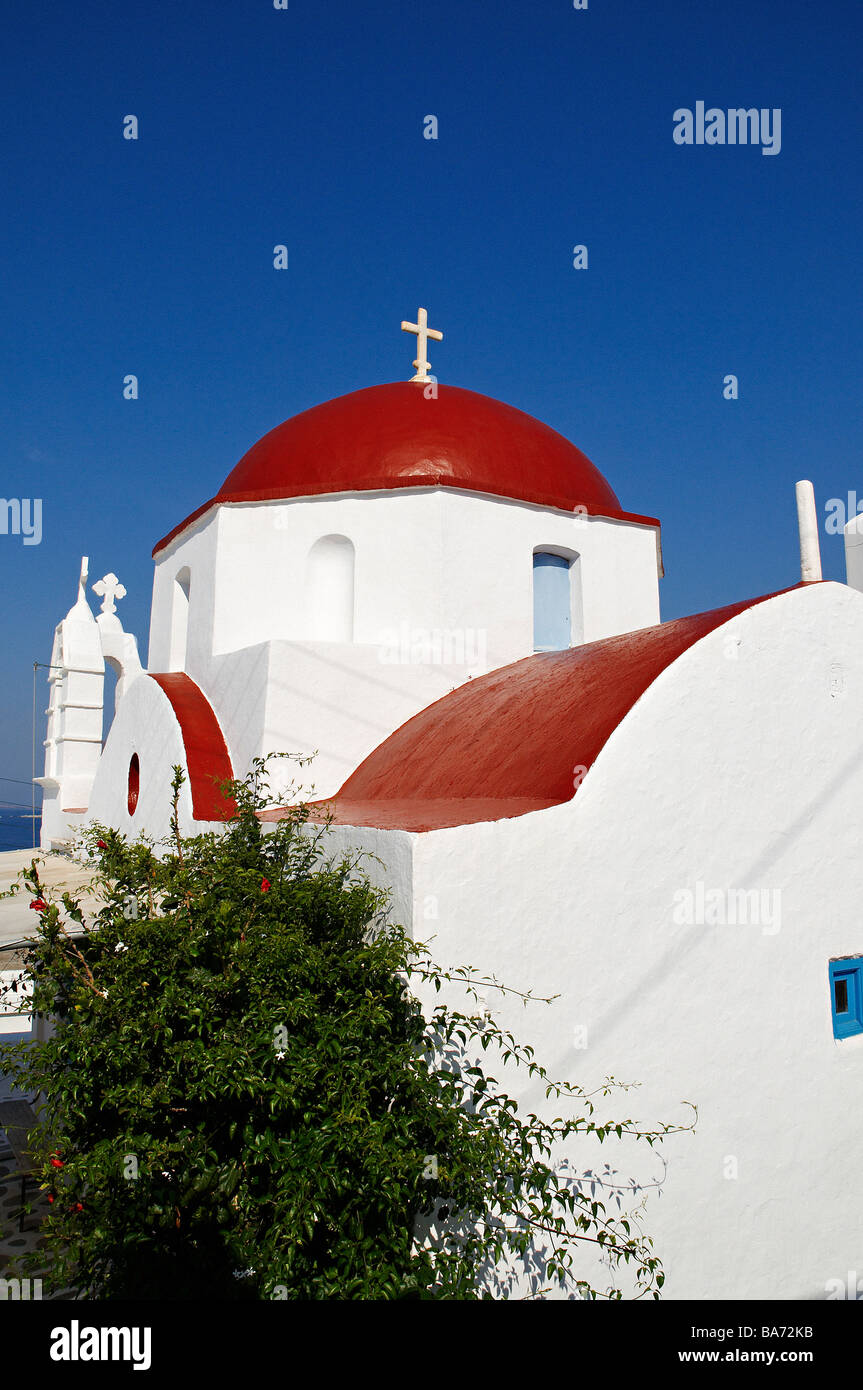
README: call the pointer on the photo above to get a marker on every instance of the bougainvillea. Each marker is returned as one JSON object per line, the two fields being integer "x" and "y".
{"x": 245, "y": 1098}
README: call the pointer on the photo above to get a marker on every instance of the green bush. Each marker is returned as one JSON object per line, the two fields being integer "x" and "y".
{"x": 245, "y": 1099}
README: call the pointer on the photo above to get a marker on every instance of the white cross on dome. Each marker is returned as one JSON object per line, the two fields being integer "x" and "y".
{"x": 423, "y": 333}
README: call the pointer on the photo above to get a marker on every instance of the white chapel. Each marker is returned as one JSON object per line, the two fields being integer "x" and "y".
{"x": 657, "y": 823}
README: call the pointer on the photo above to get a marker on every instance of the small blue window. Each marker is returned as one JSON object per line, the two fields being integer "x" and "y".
{"x": 846, "y": 996}
{"x": 551, "y": 602}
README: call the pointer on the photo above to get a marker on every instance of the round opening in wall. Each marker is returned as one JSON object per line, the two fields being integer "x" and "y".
{"x": 134, "y": 783}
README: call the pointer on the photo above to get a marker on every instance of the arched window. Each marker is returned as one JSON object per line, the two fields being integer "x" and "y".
{"x": 330, "y": 590}
{"x": 179, "y": 619}
{"x": 556, "y": 601}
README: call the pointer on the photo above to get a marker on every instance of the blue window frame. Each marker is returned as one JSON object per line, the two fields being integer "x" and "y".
{"x": 846, "y": 996}
{"x": 552, "y": 602}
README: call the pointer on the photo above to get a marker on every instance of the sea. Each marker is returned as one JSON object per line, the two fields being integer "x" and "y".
{"x": 16, "y": 828}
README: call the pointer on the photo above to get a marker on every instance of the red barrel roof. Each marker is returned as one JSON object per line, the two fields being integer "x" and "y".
{"x": 516, "y": 740}
{"x": 207, "y": 759}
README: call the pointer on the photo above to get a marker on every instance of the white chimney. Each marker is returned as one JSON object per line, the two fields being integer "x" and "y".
{"x": 807, "y": 521}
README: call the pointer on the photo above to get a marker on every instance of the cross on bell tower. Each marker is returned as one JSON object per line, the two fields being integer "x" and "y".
{"x": 423, "y": 333}
{"x": 109, "y": 588}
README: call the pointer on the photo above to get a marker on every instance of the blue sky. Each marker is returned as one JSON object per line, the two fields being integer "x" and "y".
{"x": 305, "y": 127}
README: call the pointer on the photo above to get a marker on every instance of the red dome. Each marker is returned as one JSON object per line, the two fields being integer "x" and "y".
{"x": 393, "y": 436}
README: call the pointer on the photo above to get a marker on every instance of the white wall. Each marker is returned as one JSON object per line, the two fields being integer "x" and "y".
{"x": 73, "y": 737}
{"x": 180, "y": 596}
{"x": 342, "y": 701}
{"x": 739, "y": 768}
{"x": 854, "y": 551}
{"x": 427, "y": 558}
{"x": 196, "y": 550}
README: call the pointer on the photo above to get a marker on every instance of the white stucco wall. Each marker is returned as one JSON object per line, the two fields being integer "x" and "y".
{"x": 854, "y": 551}
{"x": 197, "y": 551}
{"x": 739, "y": 769}
{"x": 426, "y": 558}
{"x": 73, "y": 734}
{"x": 340, "y": 701}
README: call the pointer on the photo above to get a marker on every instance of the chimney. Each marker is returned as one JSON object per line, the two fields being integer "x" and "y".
{"x": 807, "y": 522}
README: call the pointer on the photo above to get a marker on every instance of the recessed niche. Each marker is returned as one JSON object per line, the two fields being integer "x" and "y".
{"x": 134, "y": 783}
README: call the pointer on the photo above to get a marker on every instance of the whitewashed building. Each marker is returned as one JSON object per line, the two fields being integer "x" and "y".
{"x": 658, "y": 823}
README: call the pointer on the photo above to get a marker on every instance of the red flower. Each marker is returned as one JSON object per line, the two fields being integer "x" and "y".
{"x": 56, "y": 1163}
{"x": 100, "y": 844}
{"x": 50, "y": 1199}
{"x": 38, "y": 905}
{"x": 79, "y": 1206}
{"x": 265, "y": 885}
